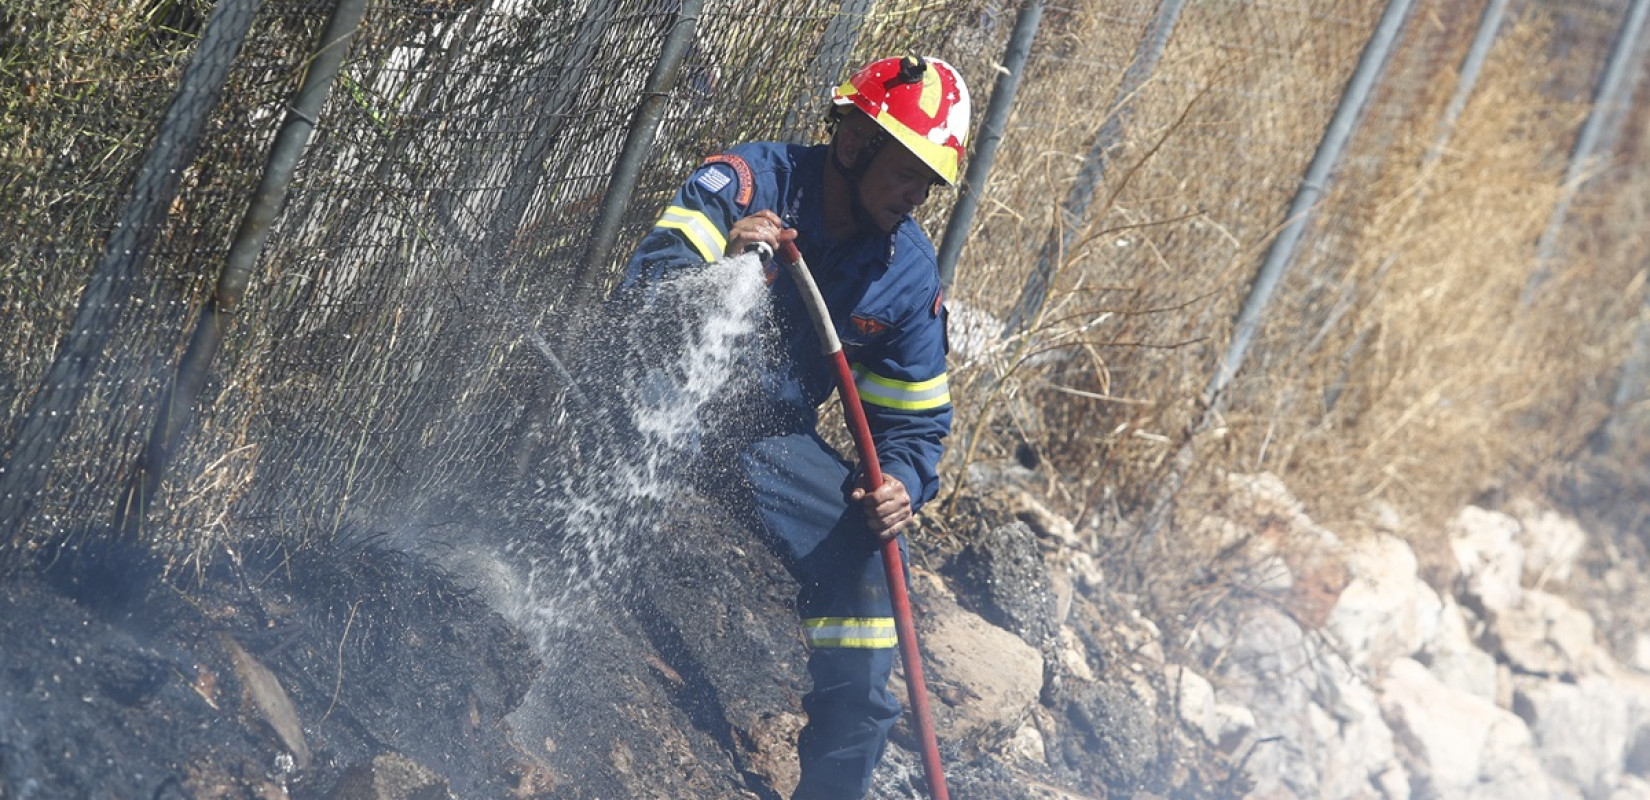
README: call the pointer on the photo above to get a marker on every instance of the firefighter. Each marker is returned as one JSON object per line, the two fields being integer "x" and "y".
{"x": 898, "y": 128}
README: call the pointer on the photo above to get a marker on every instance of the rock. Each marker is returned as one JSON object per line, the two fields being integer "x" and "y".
{"x": 1073, "y": 656}
{"x": 1141, "y": 640}
{"x": 1107, "y": 737}
{"x": 1266, "y": 495}
{"x": 266, "y": 695}
{"x": 1049, "y": 526}
{"x": 1543, "y": 634}
{"x": 1355, "y": 747}
{"x": 975, "y": 335}
{"x": 1386, "y": 611}
{"x": 1010, "y": 492}
{"x": 985, "y": 680}
{"x": 771, "y": 740}
{"x": 1292, "y": 556}
{"x": 1317, "y": 727}
{"x": 1552, "y": 542}
{"x": 1027, "y": 745}
{"x": 1486, "y": 547}
{"x": 1460, "y": 746}
{"x": 1632, "y": 787}
{"x": 1194, "y": 700}
{"x": 1454, "y": 660}
{"x": 1085, "y": 571}
{"x": 1222, "y": 725}
{"x": 1588, "y": 733}
{"x": 1000, "y": 576}
{"x": 391, "y": 776}
{"x": 1640, "y": 659}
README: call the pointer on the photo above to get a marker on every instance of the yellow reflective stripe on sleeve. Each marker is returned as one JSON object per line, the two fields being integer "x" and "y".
{"x": 889, "y": 393}
{"x": 698, "y": 229}
{"x": 866, "y": 633}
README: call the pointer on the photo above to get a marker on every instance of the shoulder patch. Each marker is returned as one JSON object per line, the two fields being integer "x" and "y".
{"x": 869, "y": 326}
{"x": 747, "y": 186}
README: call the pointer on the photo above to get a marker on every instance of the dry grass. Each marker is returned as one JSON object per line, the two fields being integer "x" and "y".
{"x": 1396, "y": 365}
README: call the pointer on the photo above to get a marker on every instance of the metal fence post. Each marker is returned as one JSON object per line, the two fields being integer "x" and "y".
{"x": 177, "y": 407}
{"x": 991, "y": 133}
{"x": 1630, "y": 385}
{"x": 1371, "y": 63}
{"x": 1074, "y": 212}
{"x": 1605, "y": 102}
{"x": 1489, "y": 28}
{"x": 644, "y": 126}
{"x": 829, "y": 64}
{"x": 529, "y": 170}
{"x": 24, "y": 476}
{"x": 1314, "y": 184}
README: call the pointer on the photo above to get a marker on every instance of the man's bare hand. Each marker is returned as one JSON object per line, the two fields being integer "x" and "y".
{"x": 763, "y": 226}
{"x": 887, "y": 510}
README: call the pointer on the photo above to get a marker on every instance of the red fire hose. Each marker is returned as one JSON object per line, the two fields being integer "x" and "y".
{"x": 892, "y": 564}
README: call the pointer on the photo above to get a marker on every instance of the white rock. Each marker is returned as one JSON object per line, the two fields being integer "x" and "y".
{"x": 1027, "y": 745}
{"x": 1485, "y": 544}
{"x": 1383, "y": 516}
{"x": 1074, "y": 656}
{"x": 1454, "y": 660}
{"x": 1632, "y": 787}
{"x": 1641, "y": 652}
{"x": 1544, "y": 634}
{"x": 1358, "y": 746}
{"x": 987, "y": 679}
{"x": 1552, "y": 543}
{"x": 1269, "y": 574}
{"x": 1236, "y": 724}
{"x": 1317, "y": 728}
{"x": 1141, "y": 637}
{"x": 975, "y": 334}
{"x": 1587, "y": 731}
{"x": 1194, "y": 701}
{"x": 1465, "y": 748}
{"x": 1043, "y": 521}
{"x": 1393, "y": 784}
{"x": 1085, "y": 570}
{"x": 1386, "y": 611}
{"x": 1267, "y": 493}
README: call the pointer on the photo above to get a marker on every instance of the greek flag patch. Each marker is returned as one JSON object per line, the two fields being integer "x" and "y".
{"x": 714, "y": 179}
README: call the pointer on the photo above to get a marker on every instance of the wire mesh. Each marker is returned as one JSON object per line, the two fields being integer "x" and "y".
{"x": 386, "y": 348}
{"x": 435, "y": 224}
{"x": 112, "y": 233}
{"x": 1197, "y": 182}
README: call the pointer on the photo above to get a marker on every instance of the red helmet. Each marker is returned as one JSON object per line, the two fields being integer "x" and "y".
{"x": 922, "y": 103}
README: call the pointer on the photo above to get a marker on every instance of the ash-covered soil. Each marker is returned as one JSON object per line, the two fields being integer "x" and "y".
{"x": 367, "y": 671}
{"x": 265, "y": 678}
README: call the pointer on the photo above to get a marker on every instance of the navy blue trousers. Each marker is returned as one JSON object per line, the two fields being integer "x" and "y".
{"x": 799, "y": 491}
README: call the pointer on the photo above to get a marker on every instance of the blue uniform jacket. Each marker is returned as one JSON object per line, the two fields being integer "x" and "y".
{"x": 883, "y": 292}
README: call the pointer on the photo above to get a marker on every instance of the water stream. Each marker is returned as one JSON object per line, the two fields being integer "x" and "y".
{"x": 664, "y": 368}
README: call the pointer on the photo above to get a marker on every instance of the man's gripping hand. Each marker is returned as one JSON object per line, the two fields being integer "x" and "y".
{"x": 763, "y": 227}
{"x": 888, "y": 509}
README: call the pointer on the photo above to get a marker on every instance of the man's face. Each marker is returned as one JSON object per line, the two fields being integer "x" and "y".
{"x": 896, "y": 183}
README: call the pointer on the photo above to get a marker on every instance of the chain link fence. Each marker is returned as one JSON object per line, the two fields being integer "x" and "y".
{"x": 398, "y": 333}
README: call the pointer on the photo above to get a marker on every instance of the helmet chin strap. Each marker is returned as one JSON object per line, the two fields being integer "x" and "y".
{"x": 853, "y": 175}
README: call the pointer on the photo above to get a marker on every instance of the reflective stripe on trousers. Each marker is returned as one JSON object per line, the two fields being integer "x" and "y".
{"x": 800, "y": 488}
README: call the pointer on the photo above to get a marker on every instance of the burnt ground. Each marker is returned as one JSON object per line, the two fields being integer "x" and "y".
{"x": 288, "y": 674}
{"x": 363, "y": 671}
{"x": 256, "y": 679}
